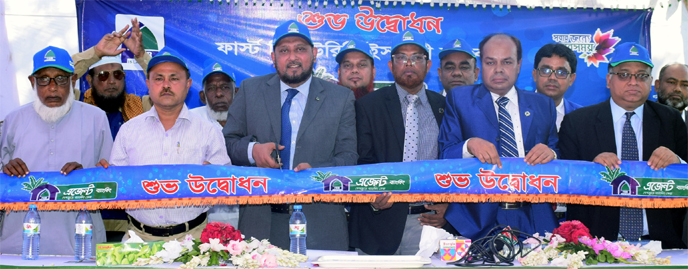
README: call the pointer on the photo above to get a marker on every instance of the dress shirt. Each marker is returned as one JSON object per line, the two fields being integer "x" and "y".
{"x": 512, "y": 108}
{"x": 144, "y": 141}
{"x": 561, "y": 111}
{"x": 298, "y": 105}
{"x": 427, "y": 125}
{"x": 202, "y": 111}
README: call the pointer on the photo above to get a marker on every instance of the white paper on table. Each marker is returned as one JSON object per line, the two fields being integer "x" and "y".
{"x": 133, "y": 238}
{"x": 654, "y": 246}
{"x": 430, "y": 240}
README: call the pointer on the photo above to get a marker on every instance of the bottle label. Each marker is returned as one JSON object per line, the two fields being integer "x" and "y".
{"x": 297, "y": 229}
{"x": 84, "y": 229}
{"x": 32, "y": 228}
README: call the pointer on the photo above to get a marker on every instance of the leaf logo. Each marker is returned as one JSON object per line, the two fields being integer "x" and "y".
{"x": 408, "y": 36}
{"x": 605, "y": 43}
{"x": 217, "y": 67}
{"x": 457, "y": 44}
{"x": 149, "y": 40}
{"x": 634, "y": 51}
{"x": 293, "y": 28}
{"x": 49, "y": 56}
{"x": 351, "y": 45}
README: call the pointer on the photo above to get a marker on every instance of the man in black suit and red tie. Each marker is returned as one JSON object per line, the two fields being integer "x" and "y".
{"x": 627, "y": 127}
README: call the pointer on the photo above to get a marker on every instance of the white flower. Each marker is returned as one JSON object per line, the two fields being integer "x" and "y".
{"x": 204, "y": 247}
{"x": 188, "y": 242}
{"x": 171, "y": 250}
{"x": 215, "y": 245}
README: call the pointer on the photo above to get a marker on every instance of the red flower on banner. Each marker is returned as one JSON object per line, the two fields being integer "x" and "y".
{"x": 572, "y": 230}
{"x": 222, "y": 231}
{"x": 605, "y": 45}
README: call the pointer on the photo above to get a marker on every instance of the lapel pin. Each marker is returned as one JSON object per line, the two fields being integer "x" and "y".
{"x": 441, "y": 110}
{"x": 317, "y": 98}
{"x": 527, "y": 113}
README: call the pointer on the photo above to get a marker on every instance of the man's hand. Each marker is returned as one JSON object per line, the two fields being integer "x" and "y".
{"x": 103, "y": 163}
{"x": 109, "y": 44}
{"x": 382, "y": 201}
{"x": 539, "y": 154}
{"x": 608, "y": 159}
{"x": 484, "y": 151}
{"x": 135, "y": 41}
{"x": 69, "y": 167}
{"x": 661, "y": 158}
{"x": 437, "y": 219}
{"x": 302, "y": 166}
{"x": 15, "y": 167}
{"x": 261, "y": 154}
{"x": 206, "y": 162}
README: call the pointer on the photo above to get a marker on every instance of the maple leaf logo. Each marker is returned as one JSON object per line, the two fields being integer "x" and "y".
{"x": 605, "y": 45}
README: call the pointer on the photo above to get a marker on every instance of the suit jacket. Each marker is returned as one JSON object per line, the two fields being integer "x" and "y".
{"x": 470, "y": 113}
{"x": 589, "y": 131}
{"x": 326, "y": 137}
{"x": 570, "y": 106}
{"x": 380, "y": 129}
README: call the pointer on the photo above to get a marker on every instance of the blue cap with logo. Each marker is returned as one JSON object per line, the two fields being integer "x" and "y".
{"x": 291, "y": 28}
{"x": 214, "y": 67}
{"x": 353, "y": 45}
{"x": 53, "y": 57}
{"x": 630, "y": 52}
{"x": 409, "y": 37}
{"x": 165, "y": 55}
{"x": 457, "y": 45}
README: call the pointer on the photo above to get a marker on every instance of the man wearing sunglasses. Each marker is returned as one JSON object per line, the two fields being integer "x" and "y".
{"x": 53, "y": 133}
{"x": 627, "y": 127}
{"x": 554, "y": 73}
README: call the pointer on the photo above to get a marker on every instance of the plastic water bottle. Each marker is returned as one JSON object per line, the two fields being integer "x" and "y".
{"x": 297, "y": 231}
{"x": 32, "y": 234}
{"x": 82, "y": 237}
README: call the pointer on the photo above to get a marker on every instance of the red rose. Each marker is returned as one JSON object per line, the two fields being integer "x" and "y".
{"x": 572, "y": 230}
{"x": 222, "y": 231}
{"x": 578, "y": 234}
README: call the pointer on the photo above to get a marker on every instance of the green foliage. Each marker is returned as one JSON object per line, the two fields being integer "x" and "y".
{"x": 611, "y": 174}
{"x": 33, "y": 183}
{"x": 322, "y": 176}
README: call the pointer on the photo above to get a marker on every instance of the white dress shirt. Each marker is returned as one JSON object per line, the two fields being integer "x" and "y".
{"x": 561, "y": 111}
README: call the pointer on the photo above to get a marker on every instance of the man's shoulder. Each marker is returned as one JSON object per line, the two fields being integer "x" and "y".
{"x": 330, "y": 87}
{"x": 376, "y": 96}
{"x": 588, "y": 112}
{"x": 20, "y": 111}
{"x": 464, "y": 91}
{"x": 88, "y": 109}
{"x": 258, "y": 79}
{"x": 571, "y": 105}
{"x": 533, "y": 96}
{"x": 663, "y": 111}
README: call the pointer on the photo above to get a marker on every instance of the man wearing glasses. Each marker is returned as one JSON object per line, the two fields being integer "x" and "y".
{"x": 458, "y": 65}
{"x": 53, "y": 133}
{"x": 627, "y": 127}
{"x": 356, "y": 67}
{"x": 394, "y": 124}
{"x": 554, "y": 73}
{"x": 217, "y": 94}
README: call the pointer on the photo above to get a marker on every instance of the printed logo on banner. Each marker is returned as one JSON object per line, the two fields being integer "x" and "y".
{"x": 373, "y": 183}
{"x": 152, "y": 32}
{"x": 625, "y": 185}
{"x": 593, "y": 48}
{"x": 41, "y": 191}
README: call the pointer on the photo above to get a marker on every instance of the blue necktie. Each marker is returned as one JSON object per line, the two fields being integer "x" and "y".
{"x": 285, "y": 139}
{"x": 506, "y": 131}
{"x": 630, "y": 219}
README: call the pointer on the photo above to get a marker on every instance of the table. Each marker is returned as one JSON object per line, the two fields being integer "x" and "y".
{"x": 679, "y": 259}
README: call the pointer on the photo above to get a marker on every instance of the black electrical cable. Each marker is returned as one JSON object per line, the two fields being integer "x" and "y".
{"x": 486, "y": 251}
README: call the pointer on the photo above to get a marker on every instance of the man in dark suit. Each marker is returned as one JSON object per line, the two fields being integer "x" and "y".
{"x": 672, "y": 88}
{"x": 315, "y": 127}
{"x": 555, "y": 71}
{"x": 494, "y": 120}
{"x": 630, "y": 127}
{"x": 394, "y": 124}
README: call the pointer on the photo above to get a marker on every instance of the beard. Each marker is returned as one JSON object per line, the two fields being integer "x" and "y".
{"x": 296, "y": 78}
{"x": 53, "y": 114}
{"x": 680, "y": 105}
{"x": 216, "y": 115}
{"x": 109, "y": 104}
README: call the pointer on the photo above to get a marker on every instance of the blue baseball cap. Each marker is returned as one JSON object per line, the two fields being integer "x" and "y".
{"x": 630, "y": 52}
{"x": 291, "y": 28}
{"x": 409, "y": 37}
{"x": 53, "y": 57}
{"x": 213, "y": 67}
{"x": 353, "y": 45}
{"x": 457, "y": 45}
{"x": 166, "y": 54}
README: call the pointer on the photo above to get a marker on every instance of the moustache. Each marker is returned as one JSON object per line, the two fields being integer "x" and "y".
{"x": 166, "y": 91}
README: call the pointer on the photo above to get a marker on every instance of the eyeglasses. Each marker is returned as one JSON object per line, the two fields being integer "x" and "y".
{"x": 547, "y": 72}
{"x": 463, "y": 69}
{"x": 45, "y": 81}
{"x": 402, "y": 59}
{"x": 225, "y": 89}
{"x": 350, "y": 66}
{"x": 641, "y": 77}
{"x": 117, "y": 74}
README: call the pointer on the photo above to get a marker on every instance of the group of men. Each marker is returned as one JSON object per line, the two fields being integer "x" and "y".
{"x": 293, "y": 120}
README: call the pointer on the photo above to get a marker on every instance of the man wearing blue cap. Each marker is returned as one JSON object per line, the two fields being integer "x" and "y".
{"x": 493, "y": 120}
{"x": 311, "y": 123}
{"x": 53, "y": 133}
{"x": 394, "y": 124}
{"x": 168, "y": 134}
{"x": 356, "y": 67}
{"x": 627, "y": 127}
{"x": 458, "y": 65}
{"x": 217, "y": 94}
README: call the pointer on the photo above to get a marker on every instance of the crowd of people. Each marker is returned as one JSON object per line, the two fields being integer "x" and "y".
{"x": 293, "y": 120}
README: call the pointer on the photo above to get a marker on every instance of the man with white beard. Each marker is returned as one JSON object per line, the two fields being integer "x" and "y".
{"x": 54, "y": 133}
{"x": 217, "y": 94}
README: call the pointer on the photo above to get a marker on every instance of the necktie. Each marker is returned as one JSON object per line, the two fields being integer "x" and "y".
{"x": 411, "y": 130}
{"x": 506, "y": 130}
{"x": 285, "y": 138}
{"x": 630, "y": 219}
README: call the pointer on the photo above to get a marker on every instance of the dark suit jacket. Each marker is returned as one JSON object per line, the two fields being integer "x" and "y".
{"x": 380, "y": 129}
{"x": 589, "y": 131}
{"x": 326, "y": 137}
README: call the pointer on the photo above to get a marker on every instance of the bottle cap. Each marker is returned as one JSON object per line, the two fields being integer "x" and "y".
{"x": 32, "y": 206}
{"x": 297, "y": 207}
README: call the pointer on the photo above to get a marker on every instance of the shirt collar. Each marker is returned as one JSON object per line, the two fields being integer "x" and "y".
{"x": 618, "y": 113}
{"x": 561, "y": 109}
{"x": 303, "y": 88}
{"x": 511, "y": 94}
{"x": 422, "y": 96}
{"x": 153, "y": 113}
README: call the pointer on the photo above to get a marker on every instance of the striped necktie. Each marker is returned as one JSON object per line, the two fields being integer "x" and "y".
{"x": 630, "y": 219}
{"x": 507, "y": 140}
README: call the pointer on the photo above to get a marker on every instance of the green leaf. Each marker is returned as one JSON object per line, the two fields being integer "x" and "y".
{"x": 601, "y": 258}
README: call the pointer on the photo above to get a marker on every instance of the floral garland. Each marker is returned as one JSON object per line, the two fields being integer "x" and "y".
{"x": 571, "y": 245}
{"x": 221, "y": 243}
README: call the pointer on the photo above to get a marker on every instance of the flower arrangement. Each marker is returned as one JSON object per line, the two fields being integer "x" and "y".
{"x": 571, "y": 245}
{"x": 221, "y": 243}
